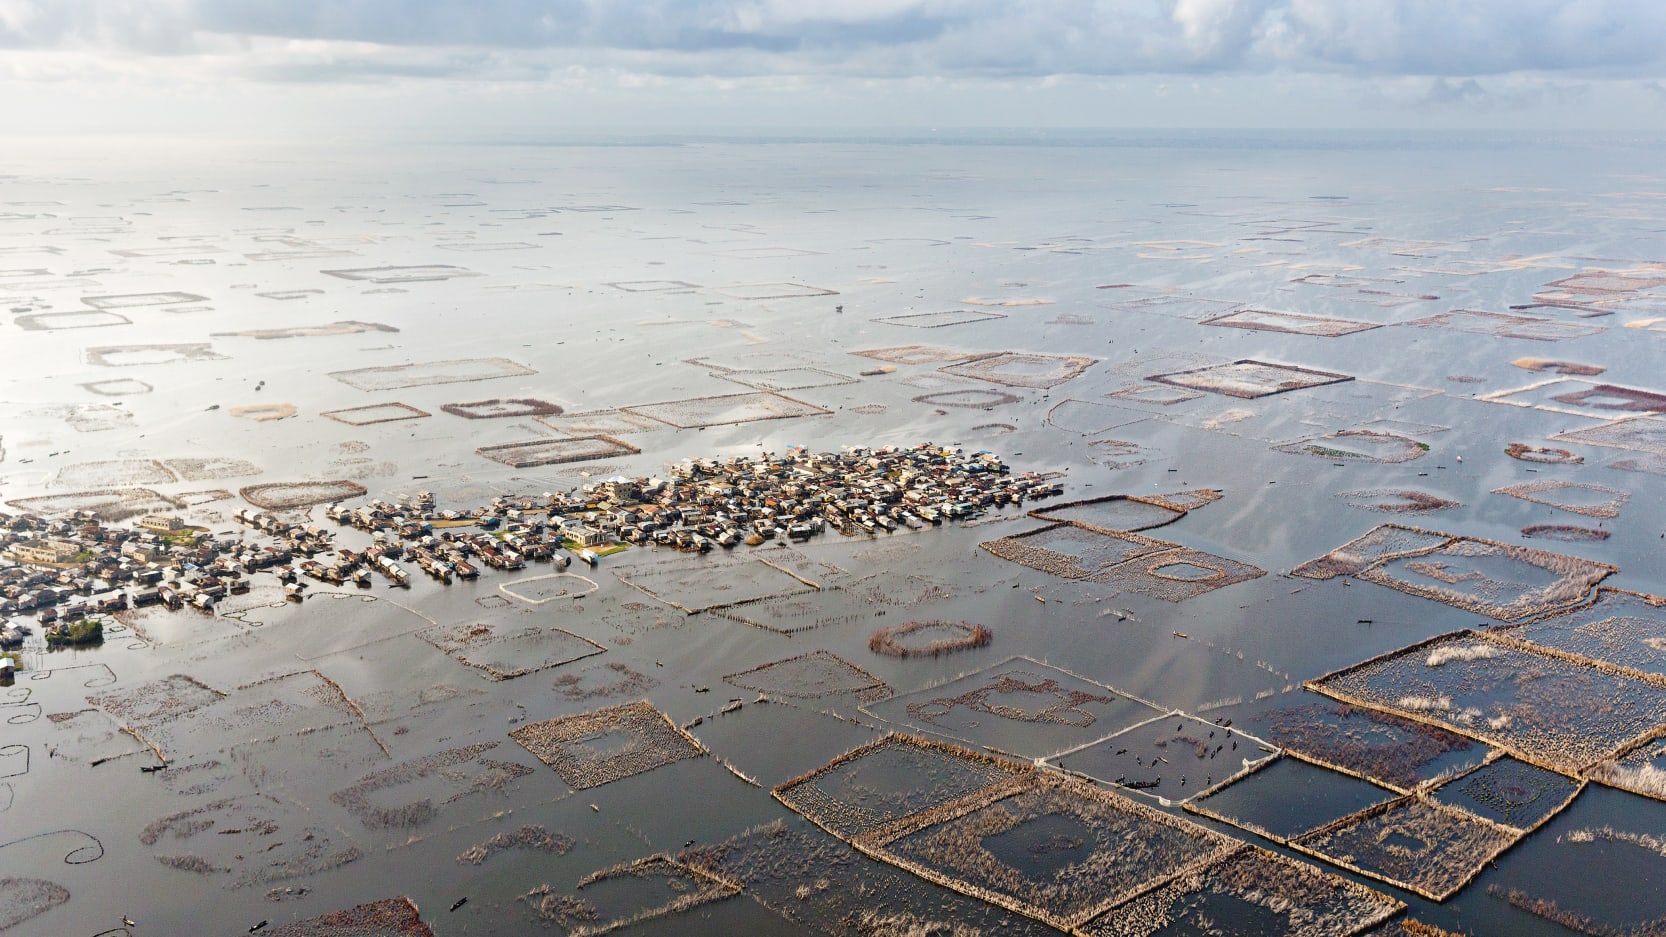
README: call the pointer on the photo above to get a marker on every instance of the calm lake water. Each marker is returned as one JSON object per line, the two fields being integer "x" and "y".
{"x": 1399, "y": 286}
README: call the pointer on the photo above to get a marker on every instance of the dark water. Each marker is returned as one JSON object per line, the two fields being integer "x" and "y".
{"x": 600, "y": 272}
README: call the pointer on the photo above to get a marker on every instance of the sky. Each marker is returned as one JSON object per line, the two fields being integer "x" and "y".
{"x": 528, "y": 69}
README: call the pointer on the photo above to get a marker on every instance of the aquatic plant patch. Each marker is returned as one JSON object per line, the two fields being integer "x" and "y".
{"x": 596, "y": 748}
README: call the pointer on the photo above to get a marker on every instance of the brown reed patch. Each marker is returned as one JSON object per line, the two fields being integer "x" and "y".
{"x": 282, "y": 496}
{"x": 628, "y": 894}
{"x": 459, "y": 771}
{"x": 1503, "y": 581}
{"x": 499, "y": 408}
{"x": 596, "y": 748}
{"x": 1575, "y": 497}
{"x": 1397, "y": 501}
{"x": 1359, "y": 445}
{"x": 535, "y": 452}
{"x": 24, "y": 898}
{"x": 1379, "y": 747}
{"x": 1542, "y": 454}
{"x": 1052, "y": 848}
{"x": 929, "y": 638}
{"x": 390, "y": 917}
{"x": 532, "y": 838}
{"x": 1411, "y": 843}
{"x": 1566, "y": 533}
{"x": 1250, "y": 891}
{"x": 1550, "y": 708}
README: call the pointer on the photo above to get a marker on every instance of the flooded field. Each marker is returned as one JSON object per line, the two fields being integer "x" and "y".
{"x": 1286, "y": 557}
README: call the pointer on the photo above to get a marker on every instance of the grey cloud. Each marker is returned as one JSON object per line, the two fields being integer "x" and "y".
{"x": 907, "y": 37}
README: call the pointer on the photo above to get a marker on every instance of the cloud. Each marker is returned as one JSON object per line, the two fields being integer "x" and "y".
{"x": 869, "y": 38}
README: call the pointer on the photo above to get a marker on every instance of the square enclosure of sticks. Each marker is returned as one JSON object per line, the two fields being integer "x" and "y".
{"x": 1554, "y": 710}
{"x": 1250, "y": 379}
{"x": 1056, "y": 849}
{"x": 1250, "y": 891}
{"x": 1020, "y": 705}
{"x": 595, "y": 748}
{"x": 896, "y": 777}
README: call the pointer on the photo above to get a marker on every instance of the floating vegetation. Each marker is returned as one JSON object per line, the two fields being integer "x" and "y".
{"x": 151, "y": 704}
{"x": 504, "y": 652}
{"x": 264, "y": 412}
{"x": 1542, "y": 454}
{"x": 1019, "y": 705}
{"x": 1052, "y": 848}
{"x": 1589, "y": 500}
{"x": 629, "y": 893}
{"x": 24, "y": 898}
{"x": 899, "y": 776}
{"x": 1558, "y": 367}
{"x": 1413, "y": 844}
{"x": 499, "y": 408}
{"x": 1397, "y": 501}
{"x": 1503, "y": 581}
{"x": 929, "y": 637}
{"x": 535, "y": 452}
{"x": 1250, "y": 891}
{"x": 1625, "y": 629}
{"x": 1249, "y": 379}
{"x": 1386, "y": 749}
{"x": 376, "y": 413}
{"x": 607, "y": 745}
{"x": 1565, "y": 533}
{"x": 1553, "y": 709}
{"x": 1359, "y": 445}
{"x": 458, "y": 772}
{"x": 245, "y": 837}
{"x": 1016, "y": 369}
{"x": 390, "y": 917}
{"x": 1264, "y": 320}
{"x": 1172, "y": 756}
{"x": 531, "y": 838}
{"x": 726, "y": 409}
{"x": 602, "y": 680}
{"x": 807, "y": 676}
{"x": 422, "y": 374}
{"x": 282, "y": 496}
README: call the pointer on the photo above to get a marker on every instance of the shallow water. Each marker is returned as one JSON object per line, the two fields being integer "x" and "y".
{"x": 139, "y": 286}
